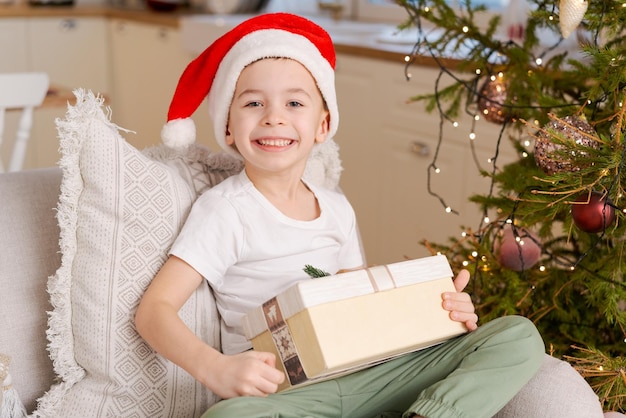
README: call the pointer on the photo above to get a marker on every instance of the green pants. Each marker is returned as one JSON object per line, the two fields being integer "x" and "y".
{"x": 471, "y": 376}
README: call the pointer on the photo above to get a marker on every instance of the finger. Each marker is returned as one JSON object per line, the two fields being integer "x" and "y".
{"x": 272, "y": 374}
{"x": 461, "y": 280}
{"x": 267, "y": 358}
{"x": 470, "y": 320}
{"x": 460, "y": 302}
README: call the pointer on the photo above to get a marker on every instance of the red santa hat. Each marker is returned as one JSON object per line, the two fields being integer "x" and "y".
{"x": 214, "y": 73}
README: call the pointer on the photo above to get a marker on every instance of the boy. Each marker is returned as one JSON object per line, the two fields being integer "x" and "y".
{"x": 271, "y": 95}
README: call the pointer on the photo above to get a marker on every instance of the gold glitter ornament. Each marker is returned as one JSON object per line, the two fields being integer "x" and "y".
{"x": 571, "y": 13}
{"x": 548, "y": 154}
{"x": 491, "y": 101}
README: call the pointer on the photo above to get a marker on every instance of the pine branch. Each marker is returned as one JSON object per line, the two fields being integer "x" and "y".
{"x": 606, "y": 375}
{"x": 314, "y": 272}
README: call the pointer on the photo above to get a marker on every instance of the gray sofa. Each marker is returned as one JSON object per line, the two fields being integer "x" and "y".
{"x": 30, "y": 254}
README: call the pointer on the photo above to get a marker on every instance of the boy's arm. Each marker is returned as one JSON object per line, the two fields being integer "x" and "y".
{"x": 460, "y": 303}
{"x": 157, "y": 321}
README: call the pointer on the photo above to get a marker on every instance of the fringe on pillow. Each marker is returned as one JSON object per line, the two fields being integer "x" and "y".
{"x": 11, "y": 405}
{"x": 70, "y": 130}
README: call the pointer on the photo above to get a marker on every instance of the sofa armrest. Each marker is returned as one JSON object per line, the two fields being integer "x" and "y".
{"x": 557, "y": 390}
{"x": 29, "y": 254}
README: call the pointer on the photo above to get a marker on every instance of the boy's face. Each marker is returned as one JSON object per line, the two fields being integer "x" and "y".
{"x": 276, "y": 116}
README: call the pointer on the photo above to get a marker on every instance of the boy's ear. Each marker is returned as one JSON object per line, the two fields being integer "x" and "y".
{"x": 229, "y": 139}
{"x": 322, "y": 132}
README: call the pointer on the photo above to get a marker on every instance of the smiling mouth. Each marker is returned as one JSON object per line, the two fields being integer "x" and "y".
{"x": 275, "y": 142}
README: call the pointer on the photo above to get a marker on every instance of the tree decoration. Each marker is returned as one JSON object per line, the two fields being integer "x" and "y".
{"x": 571, "y": 13}
{"x": 517, "y": 248}
{"x": 492, "y": 98}
{"x": 560, "y": 135}
{"x": 593, "y": 212}
{"x": 576, "y": 292}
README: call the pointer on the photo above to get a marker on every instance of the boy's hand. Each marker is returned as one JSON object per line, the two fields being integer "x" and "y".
{"x": 251, "y": 373}
{"x": 459, "y": 303}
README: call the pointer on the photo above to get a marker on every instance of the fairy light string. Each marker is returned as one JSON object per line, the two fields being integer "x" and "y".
{"x": 570, "y": 269}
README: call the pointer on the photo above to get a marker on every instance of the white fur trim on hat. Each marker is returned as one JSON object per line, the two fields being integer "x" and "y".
{"x": 179, "y": 133}
{"x": 268, "y": 43}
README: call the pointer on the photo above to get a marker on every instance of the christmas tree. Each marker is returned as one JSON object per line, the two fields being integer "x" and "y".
{"x": 551, "y": 245}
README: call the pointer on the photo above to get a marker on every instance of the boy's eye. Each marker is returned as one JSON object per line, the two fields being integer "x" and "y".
{"x": 253, "y": 104}
{"x": 294, "y": 103}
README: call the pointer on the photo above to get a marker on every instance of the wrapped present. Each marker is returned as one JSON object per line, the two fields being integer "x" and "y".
{"x": 325, "y": 327}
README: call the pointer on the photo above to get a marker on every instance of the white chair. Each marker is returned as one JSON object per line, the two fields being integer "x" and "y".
{"x": 21, "y": 91}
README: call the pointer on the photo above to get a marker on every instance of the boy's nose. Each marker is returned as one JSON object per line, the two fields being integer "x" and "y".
{"x": 273, "y": 116}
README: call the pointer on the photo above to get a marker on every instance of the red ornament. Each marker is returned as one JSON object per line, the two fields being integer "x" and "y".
{"x": 593, "y": 212}
{"x": 517, "y": 250}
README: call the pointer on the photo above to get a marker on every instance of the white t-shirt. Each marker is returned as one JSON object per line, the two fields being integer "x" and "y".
{"x": 249, "y": 251}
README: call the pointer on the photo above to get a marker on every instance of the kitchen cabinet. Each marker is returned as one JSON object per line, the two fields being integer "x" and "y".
{"x": 147, "y": 61}
{"x": 14, "y": 45}
{"x": 387, "y": 146}
{"x": 74, "y": 53}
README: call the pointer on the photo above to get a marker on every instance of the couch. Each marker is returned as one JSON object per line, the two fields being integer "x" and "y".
{"x": 50, "y": 320}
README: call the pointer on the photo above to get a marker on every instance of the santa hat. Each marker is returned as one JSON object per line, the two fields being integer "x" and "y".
{"x": 214, "y": 73}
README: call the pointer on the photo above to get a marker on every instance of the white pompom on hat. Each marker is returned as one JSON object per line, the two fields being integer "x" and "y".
{"x": 214, "y": 73}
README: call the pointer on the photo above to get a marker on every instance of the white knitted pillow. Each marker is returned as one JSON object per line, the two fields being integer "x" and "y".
{"x": 119, "y": 212}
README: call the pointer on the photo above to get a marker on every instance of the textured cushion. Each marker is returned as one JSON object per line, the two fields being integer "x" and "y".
{"x": 119, "y": 211}
{"x": 556, "y": 391}
{"x": 30, "y": 253}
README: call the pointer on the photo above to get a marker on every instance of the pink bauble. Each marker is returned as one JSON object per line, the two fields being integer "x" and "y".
{"x": 593, "y": 215}
{"x": 517, "y": 255}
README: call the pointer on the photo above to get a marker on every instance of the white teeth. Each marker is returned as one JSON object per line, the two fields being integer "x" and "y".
{"x": 274, "y": 142}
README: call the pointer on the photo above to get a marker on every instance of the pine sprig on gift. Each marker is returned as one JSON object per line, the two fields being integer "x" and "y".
{"x": 314, "y": 272}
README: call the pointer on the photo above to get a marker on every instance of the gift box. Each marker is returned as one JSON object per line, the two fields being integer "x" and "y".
{"x": 326, "y": 327}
